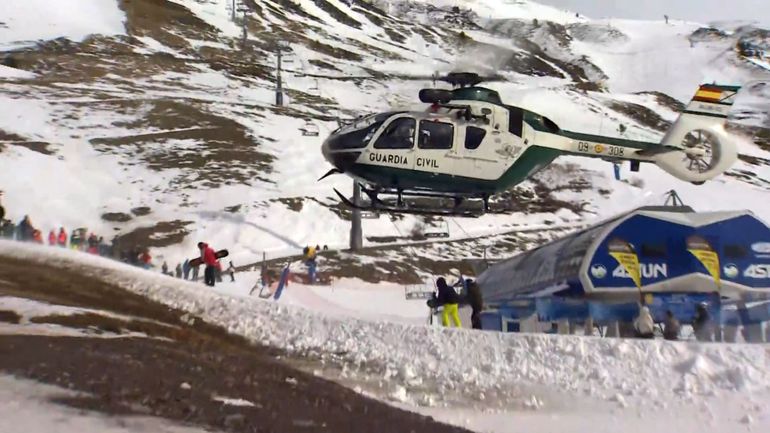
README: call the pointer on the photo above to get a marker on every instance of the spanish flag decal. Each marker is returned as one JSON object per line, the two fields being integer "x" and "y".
{"x": 702, "y": 250}
{"x": 708, "y": 94}
{"x": 624, "y": 253}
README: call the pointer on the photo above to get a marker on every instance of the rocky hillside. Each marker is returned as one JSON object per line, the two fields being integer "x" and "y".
{"x": 153, "y": 122}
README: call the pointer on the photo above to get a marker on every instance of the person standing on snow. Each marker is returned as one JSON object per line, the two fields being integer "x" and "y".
{"x": 25, "y": 229}
{"x": 62, "y": 239}
{"x": 671, "y": 327}
{"x": 476, "y": 302}
{"x": 209, "y": 258}
{"x": 448, "y": 298}
{"x": 178, "y": 270}
{"x": 146, "y": 259}
{"x": 644, "y": 325}
{"x": 186, "y": 269}
{"x": 52, "y": 237}
{"x": 164, "y": 268}
{"x": 701, "y": 324}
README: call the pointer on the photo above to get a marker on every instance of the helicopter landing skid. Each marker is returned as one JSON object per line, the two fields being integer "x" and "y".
{"x": 378, "y": 205}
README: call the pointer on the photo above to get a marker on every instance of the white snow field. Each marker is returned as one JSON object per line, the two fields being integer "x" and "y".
{"x": 79, "y": 182}
{"x": 488, "y": 381}
{"x": 25, "y": 22}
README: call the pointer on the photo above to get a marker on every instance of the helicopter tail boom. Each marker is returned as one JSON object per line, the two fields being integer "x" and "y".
{"x": 695, "y": 149}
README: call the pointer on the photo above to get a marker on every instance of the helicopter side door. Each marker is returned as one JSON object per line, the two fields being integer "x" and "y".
{"x": 481, "y": 148}
{"x": 435, "y": 141}
{"x": 394, "y": 146}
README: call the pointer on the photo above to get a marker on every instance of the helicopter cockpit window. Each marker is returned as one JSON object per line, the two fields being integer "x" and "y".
{"x": 473, "y": 137}
{"x": 399, "y": 134}
{"x": 436, "y": 135}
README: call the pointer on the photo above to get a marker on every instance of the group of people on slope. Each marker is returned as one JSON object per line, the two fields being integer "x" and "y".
{"x": 644, "y": 325}
{"x": 25, "y": 231}
{"x": 449, "y": 299}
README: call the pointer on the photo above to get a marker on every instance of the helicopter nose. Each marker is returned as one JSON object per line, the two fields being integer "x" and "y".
{"x": 341, "y": 158}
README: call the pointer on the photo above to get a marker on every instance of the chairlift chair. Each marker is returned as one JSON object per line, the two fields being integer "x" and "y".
{"x": 310, "y": 129}
{"x": 439, "y": 234}
{"x": 369, "y": 215}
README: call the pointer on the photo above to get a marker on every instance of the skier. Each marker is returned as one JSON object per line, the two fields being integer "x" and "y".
{"x": 164, "y": 268}
{"x": 146, "y": 259}
{"x": 476, "y": 302}
{"x": 25, "y": 229}
{"x": 209, "y": 258}
{"x": 701, "y": 324}
{"x": 37, "y": 237}
{"x": 231, "y": 271}
{"x": 448, "y": 298}
{"x": 62, "y": 240}
{"x": 75, "y": 239}
{"x": 93, "y": 244}
{"x": 644, "y": 324}
{"x": 178, "y": 270}
{"x": 7, "y": 228}
{"x": 310, "y": 262}
{"x": 671, "y": 327}
{"x": 52, "y": 237}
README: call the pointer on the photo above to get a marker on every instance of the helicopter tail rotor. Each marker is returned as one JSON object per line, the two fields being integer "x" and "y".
{"x": 703, "y": 150}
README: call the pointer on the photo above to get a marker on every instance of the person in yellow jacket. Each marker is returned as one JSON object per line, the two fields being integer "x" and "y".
{"x": 449, "y": 299}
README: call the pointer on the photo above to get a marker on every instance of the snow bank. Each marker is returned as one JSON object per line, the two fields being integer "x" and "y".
{"x": 23, "y": 22}
{"x": 7, "y": 73}
{"x": 452, "y": 361}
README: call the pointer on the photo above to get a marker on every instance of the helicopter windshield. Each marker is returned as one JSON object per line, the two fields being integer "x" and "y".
{"x": 358, "y": 135}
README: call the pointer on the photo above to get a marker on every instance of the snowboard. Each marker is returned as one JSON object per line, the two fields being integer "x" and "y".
{"x": 282, "y": 282}
{"x": 197, "y": 261}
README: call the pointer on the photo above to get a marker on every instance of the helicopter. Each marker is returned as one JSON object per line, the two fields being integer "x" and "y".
{"x": 468, "y": 146}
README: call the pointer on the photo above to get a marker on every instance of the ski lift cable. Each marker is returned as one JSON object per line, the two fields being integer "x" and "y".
{"x": 461, "y": 227}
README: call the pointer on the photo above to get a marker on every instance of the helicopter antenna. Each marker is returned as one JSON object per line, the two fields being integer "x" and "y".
{"x": 673, "y": 198}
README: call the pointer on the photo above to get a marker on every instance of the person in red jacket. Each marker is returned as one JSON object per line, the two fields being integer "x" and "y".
{"x": 62, "y": 238}
{"x": 209, "y": 258}
{"x": 146, "y": 259}
{"x": 52, "y": 237}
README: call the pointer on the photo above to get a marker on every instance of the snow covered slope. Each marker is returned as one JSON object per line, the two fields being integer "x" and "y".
{"x": 530, "y": 382}
{"x": 154, "y": 124}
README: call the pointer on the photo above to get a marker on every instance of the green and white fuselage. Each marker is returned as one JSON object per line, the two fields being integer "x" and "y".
{"x": 478, "y": 146}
